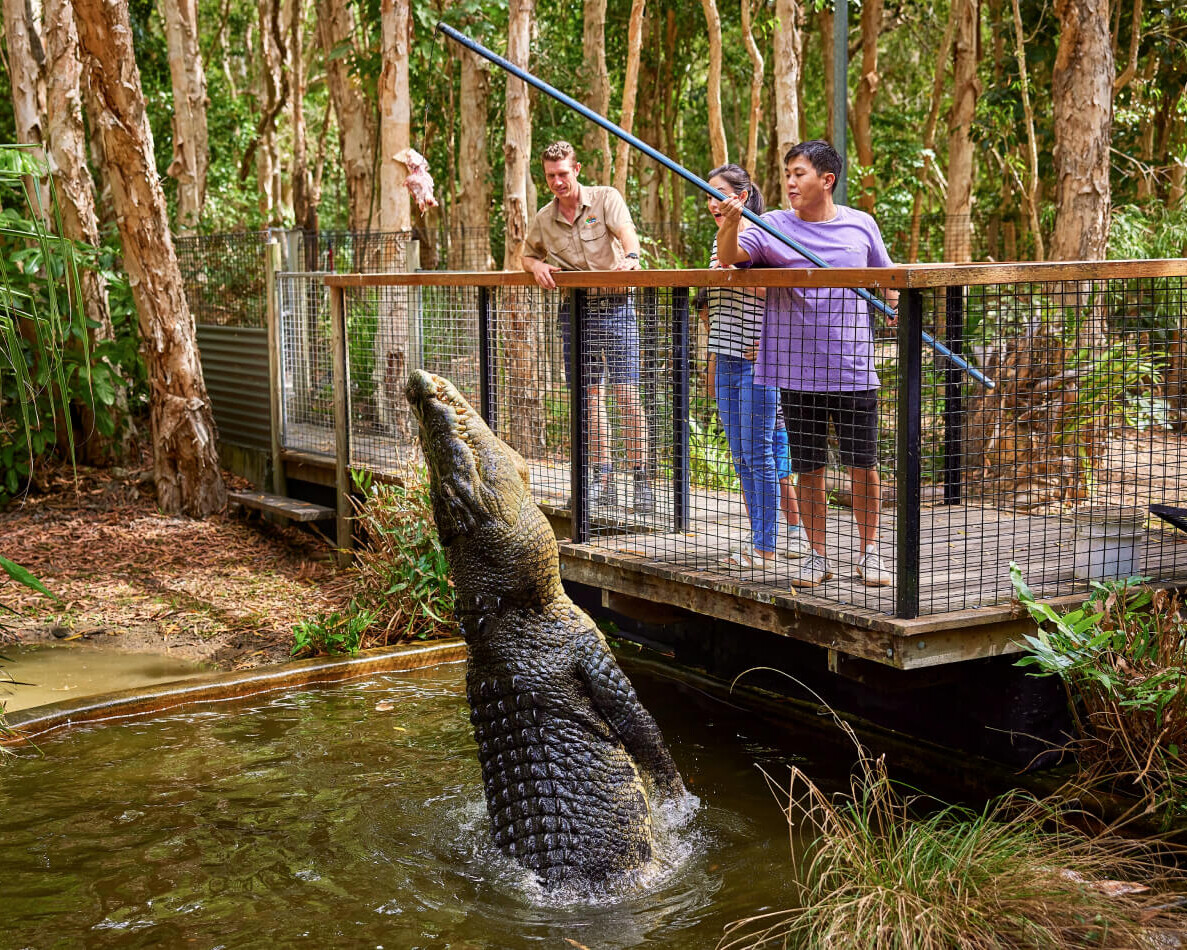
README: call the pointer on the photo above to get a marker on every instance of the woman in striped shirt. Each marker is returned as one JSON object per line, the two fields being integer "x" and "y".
{"x": 746, "y": 409}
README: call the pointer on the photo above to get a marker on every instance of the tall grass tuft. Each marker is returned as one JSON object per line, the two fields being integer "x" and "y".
{"x": 881, "y": 869}
{"x": 1122, "y": 657}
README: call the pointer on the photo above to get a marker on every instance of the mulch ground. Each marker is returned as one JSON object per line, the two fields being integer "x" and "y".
{"x": 224, "y": 590}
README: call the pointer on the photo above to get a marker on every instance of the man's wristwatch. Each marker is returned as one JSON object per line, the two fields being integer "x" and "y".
{"x": 632, "y": 254}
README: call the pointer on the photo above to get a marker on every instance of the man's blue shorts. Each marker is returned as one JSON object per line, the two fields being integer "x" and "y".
{"x": 611, "y": 336}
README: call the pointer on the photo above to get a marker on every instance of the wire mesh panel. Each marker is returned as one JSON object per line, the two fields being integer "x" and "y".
{"x": 529, "y": 398}
{"x": 390, "y": 331}
{"x": 224, "y": 277}
{"x": 305, "y": 373}
{"x": 1056, "y": 468}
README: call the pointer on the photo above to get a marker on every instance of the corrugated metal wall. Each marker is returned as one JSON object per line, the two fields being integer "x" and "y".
{"x": 235, "y": 364}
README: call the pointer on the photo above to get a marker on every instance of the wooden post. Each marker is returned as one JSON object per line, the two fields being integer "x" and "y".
{"x": 272, "y": 251}
{"x": 341, "y": 421}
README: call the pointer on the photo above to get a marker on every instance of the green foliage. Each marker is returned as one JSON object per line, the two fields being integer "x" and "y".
{"x": 881, "y": 868}
{"x": 47, "y": 362}
{"x": 399, "y": 582}
{"x": 1122, "y": 656}
{"x": 710, "y": 463}
{"x": 333, "y": 632}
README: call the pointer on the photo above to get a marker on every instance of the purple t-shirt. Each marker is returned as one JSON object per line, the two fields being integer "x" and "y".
{"x": 817, "y": 339}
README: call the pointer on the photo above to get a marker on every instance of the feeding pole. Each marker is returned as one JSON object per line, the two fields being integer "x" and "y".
{"x": 692, "y": 179}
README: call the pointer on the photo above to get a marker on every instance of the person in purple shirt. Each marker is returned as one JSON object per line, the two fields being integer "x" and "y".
{"x": 817, "y": 346}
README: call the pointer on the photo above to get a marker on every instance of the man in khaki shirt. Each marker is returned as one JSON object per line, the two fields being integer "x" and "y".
{"x": 588, "y": 227}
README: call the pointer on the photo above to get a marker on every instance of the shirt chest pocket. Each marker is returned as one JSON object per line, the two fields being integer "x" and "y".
{"x": 593, "y": 233}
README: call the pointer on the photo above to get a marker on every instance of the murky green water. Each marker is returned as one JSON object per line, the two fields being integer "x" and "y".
{"x": 36, "y": 674}
{"x": 323, "y": 819}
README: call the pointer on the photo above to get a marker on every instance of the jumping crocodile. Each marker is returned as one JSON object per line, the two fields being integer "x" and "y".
{"x": 571, "y": 761}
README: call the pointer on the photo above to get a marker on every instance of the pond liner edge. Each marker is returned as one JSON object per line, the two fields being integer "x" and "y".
{"x": 28, "y": 724}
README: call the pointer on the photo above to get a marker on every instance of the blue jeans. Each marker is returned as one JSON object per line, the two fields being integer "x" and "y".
{"x": 747, "y": 413}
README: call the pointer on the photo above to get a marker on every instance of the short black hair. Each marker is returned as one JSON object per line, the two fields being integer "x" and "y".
{"x": 820, "y": 155}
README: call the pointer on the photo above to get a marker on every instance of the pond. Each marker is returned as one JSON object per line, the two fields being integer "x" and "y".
{"x": 353, "y": 815}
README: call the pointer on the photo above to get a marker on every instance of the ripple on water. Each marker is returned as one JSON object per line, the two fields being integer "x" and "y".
{"x": 316, "y": 817}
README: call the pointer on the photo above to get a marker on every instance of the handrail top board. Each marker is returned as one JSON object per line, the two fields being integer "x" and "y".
{"x": 901, "y": 277}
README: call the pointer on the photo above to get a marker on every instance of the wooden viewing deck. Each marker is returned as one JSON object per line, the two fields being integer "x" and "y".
{"x": 638, "y": 563}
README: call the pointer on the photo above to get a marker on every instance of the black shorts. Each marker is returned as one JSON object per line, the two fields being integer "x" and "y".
{"x": 853, "y": 415}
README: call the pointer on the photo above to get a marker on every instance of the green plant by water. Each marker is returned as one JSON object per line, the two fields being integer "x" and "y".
{"x": 399, "y": 582}
{"x": 1122, "y": 657}
{"x": 883, "y": 867}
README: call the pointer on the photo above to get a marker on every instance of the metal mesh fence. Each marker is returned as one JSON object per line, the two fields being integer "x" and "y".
{"x": 880, "y": 479}
{"x": 224, "y": 277}
{"x": 1055, "y": 468}
{"x": 305, "y": 377}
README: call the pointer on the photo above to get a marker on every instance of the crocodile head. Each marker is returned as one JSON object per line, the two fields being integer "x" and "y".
{"x": 499, "y": 544}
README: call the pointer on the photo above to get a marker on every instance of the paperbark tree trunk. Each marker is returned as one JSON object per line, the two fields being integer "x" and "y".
{"x": 305, "y": 199}
{"x": 825, "y": 22}
{"x": 26, "y": 63}
{"x": 517, "y": 143}
{"x": 630, "y": 88}
{"x": 757, "y": 67}
{"x": 871, "y": 22}
{"x": 66, "y": 144}
{"x": 718, "y": 147}
{"x": 273, "y": 93}
{"x": 519, "y": 326}
{"x": 393, "y": 358}
{"x": 597, "y": 140}
{"x": 1082, "y": 99}
{"x": 650, "y": 182}
{"x": 929, "y": 131}
{"x": 958, "y": 226}
{"x": 786, "y": 74}
{"x": 185, "y": 449}
{"x": 357, "y": 125}
{"x": 190, "y": 149}
{"x": 1032, "y": 149}
{"x": 472, "y": 210}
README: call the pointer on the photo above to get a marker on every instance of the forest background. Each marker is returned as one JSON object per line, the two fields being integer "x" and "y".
{"x": 978, "y": 129}
{"x": 942, "y": 97}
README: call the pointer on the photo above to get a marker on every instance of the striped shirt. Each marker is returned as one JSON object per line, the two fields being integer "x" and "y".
{"x": 735, "y": 316}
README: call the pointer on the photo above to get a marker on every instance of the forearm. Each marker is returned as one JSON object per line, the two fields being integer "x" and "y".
{"x": 531, "y": 263}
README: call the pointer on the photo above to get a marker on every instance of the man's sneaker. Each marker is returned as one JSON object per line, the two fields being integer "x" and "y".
{"x": 871, "y": 570}
{"x": 797, "y": 543}
{"x": 644, "y": 499}
{"x": 813, "y": 570}
{"x": 602, "y": 491}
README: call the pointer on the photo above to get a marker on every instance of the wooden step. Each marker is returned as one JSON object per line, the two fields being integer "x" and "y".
{"x": 279, "y": 505}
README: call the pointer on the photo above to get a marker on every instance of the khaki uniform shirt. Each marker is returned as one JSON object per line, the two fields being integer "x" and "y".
{"x": 589, "y": 243}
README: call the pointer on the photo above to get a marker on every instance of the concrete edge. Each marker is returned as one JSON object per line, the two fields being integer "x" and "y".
{"x": 28, "y": 724}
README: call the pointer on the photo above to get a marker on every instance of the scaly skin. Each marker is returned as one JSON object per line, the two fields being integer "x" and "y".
{"x": 570, "y": 759}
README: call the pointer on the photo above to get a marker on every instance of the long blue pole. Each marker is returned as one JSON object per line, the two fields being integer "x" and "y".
{"x": 691, "y": 179}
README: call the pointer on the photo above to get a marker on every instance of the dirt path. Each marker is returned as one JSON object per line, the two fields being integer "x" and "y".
{"x": 225, "y": 591}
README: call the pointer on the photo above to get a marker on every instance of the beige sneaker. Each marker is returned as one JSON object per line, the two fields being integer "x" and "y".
{"x": 813, "y": 570}
{"x": 797, "y": 543}
{"x": 871, "y": 570}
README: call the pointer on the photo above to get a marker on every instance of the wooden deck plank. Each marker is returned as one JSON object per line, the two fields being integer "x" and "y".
{"x": 279, "y": 505}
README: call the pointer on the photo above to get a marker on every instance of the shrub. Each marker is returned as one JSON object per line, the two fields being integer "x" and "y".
{"x": 883, "y": 870}
{"x": 1122, "y": 657}
{"x": 399, "y": 583}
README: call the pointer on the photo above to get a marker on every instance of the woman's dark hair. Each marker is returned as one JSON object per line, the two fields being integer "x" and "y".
{"x": 739, "y": 180}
